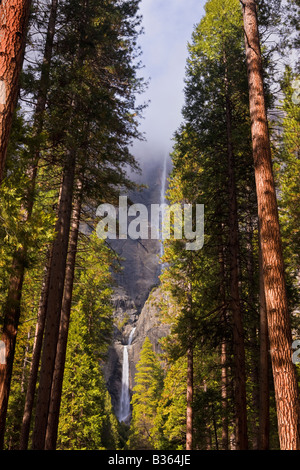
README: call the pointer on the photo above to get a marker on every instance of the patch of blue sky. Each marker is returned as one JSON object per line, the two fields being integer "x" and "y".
{"x": 168, "y": 27}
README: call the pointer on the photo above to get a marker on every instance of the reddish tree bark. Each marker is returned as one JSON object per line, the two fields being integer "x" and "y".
{"x": 223, "y": 353}
{"x": 12, "y": 307}
{"x": 264, "y": 393}
{"x": 280, "y": 338}
{"x": 10, "y": 327}
{"x": 58, "y": 375}
{"x": 189, "y": 407}
{"x": 253, "y": 338}
{"x": 54, "y": 303}
{"x": 35, "y": 361}
{"x": 14, "y": 15}
{"x": 190, "y": 372}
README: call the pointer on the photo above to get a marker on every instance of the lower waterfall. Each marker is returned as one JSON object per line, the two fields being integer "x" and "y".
{"x": 124, "y": 408}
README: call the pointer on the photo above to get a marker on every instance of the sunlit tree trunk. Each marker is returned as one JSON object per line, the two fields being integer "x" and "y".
{"x": 14, "y": 15}
{"x": 264, "y": 393}
{"x": 284, "y": 373}
{"x": 12, "y": 306}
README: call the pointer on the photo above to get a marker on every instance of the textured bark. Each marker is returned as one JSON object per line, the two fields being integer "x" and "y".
{"x": 253, "y": 340}
{"x": 14, "y": 15}
{"x": 224, "y": 385}
{"x": 264, "y": 393}
{"x": 190, "y": 371}
{"x": 223, "y": 356}
{"x": 235, "y": 304}
{"x": 10, "y": 327}
{"x": 57, "y": 277}
{"x": 56, "y": 289}
{"x": 189, "y": 407}
{"x": 12, "y": 309}
{"x": 25, "y": 361}
{"x": 37, "y": 348}
{"x": 284, "y": 373}
{"x": 57, "y": 383}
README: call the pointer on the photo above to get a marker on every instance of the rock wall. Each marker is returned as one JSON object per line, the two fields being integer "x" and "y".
{"x": 134, "y": 306}
{"x": 148, "y": 325}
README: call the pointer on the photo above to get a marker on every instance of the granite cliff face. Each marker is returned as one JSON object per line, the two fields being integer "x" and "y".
{"x": 148, "y": 324}
{"x": 133, "y": 308}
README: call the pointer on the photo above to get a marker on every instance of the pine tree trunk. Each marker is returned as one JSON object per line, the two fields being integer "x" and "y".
{"x": 56, "y": 391}
{"x": 12, "y": 309}
{"x": 56, "y": 289}
{"x": 224, "y": 378}
{"x": 11, "y": 322}
{"x": 25, "y": 361}
{"x": 235, "y": 304}
{"x": 224, "y": 385}
{"x": 264, "y": 419}
{"x": 14, "y": 15}
{"x": 57, "y": 280}
{"x": 190, "y": 371}
{"x": 215, "y": 426}
{"x": 37, "y": 348}
{"x": 189, "y": 407}
{"x": 284, "y": 373}
{"x": 253, "y": 341}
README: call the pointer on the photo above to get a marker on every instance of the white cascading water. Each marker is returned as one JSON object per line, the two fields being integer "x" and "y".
{"x": 124, "y": 408}
{"x": 162, "y": 200}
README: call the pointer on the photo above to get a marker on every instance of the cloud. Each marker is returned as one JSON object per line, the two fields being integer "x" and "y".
{"x": 168, "y": 26}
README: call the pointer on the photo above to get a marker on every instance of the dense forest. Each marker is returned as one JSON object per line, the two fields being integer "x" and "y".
{"x": 227, "y": 378}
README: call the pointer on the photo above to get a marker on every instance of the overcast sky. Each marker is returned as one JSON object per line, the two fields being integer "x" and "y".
{"x": 168, "y": 26}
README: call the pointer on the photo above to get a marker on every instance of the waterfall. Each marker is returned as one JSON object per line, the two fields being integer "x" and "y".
{"x": 162, "y": 199}
{"x": 124, "y": 408}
